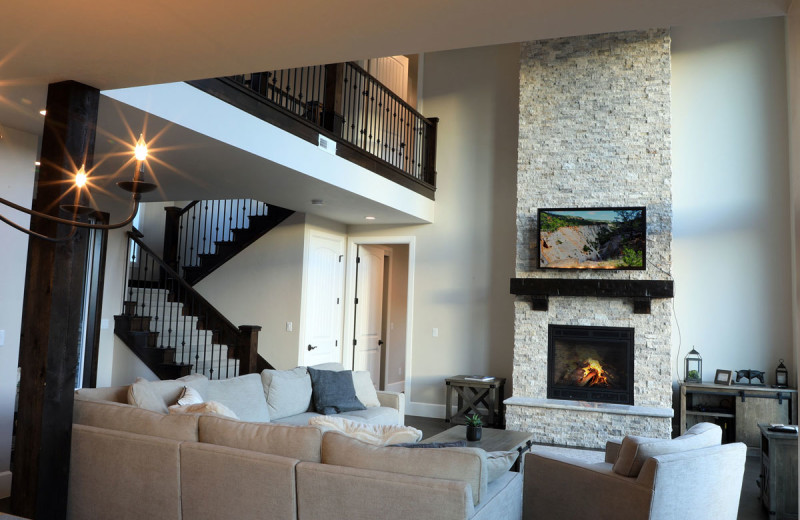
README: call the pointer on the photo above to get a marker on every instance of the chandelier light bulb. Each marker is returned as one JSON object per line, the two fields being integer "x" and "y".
{"x": 80, "y": 178}
{"x": 141, "y": 149}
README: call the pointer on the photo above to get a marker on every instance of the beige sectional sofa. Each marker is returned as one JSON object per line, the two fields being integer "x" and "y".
{"x": 129, "y": 462}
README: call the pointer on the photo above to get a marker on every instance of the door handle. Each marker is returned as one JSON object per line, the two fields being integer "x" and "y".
{"x": 310, "y": 348}
{"x": 380, "y": 342}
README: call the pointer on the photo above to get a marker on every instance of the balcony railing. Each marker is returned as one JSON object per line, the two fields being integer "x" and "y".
{"x": 371, "y": 124}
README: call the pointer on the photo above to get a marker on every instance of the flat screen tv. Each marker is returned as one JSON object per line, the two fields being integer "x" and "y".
{"x": 592, "y": 238}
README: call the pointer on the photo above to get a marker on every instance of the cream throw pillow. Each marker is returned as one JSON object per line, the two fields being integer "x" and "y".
{"x": 189, "y": 396}
{"x": 499, "y": 462}
{"x": 375, "y": 434}
{"x": 365, "y": 390}
{"x": 209, "y": 407}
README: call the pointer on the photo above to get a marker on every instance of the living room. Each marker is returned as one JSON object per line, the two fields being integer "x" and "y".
{"x": 730, "y": 192}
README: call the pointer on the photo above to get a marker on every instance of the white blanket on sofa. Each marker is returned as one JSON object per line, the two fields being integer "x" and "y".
{"x": 376, "y": 434}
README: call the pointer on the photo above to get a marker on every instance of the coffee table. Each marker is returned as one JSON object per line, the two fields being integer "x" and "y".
{"x": 491, "y": 440}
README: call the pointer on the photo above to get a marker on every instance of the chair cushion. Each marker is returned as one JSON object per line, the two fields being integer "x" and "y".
{"x": 333, "y": 392}
{"x": 244, "y": 395}
{"x": 288, "y": 392}
{"x": 636, "y": 450}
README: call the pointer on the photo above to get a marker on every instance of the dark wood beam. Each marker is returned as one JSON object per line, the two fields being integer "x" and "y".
{"x": 51, "y": 313}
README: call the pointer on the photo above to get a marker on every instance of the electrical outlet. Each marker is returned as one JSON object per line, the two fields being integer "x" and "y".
{"x": 289, "y": 326}
{"x": 435, "y": 332}
{"x": 103, "y": 324}
{"x": 2, "y": 337}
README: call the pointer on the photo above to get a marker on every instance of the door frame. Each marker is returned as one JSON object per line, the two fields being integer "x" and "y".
{"x": 350, "y": 294}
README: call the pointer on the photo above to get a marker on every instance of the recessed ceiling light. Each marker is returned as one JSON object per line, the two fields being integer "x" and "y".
{"x": 317, "y": 202}
{"x": 370, "y": 218}
{"x": 43, "y": 112}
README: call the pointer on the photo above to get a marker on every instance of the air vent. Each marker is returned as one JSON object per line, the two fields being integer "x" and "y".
{"x": 327, "y": 145}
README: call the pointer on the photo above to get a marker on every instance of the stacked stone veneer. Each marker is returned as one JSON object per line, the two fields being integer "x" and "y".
{"x": 594, "y": 131}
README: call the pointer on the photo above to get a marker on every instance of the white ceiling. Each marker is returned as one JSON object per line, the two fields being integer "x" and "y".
{"x": 115, "y": 44}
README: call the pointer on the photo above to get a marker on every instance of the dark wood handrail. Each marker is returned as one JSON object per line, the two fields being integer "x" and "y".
{"x": 188, "y": 207}
{"x": 232, "y": 331}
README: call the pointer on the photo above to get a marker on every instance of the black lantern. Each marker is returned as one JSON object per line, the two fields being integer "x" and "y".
{"x": 781, "y": 376}
{"x": 694, "y": 367}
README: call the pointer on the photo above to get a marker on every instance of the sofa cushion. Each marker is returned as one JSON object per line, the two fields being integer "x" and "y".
{"x": 499, "y": 462}
{"x": 288, "y": 392}
{"x": 377, "y": 434}
{"x": 244, "y": 395}
{"x": 378, "y": 415}
{"x": 365, "y": 390}
{"x": 461, "y": 464}
{"x": 297, "y": 442}
{"x": 636, "y": 450}
{"x": 157, "y": 396}
{"x": 127, "y": 418}
{"x": 333, "y": 392}
{"x": 300, "y": 419}
{"x": 207, "y": 408}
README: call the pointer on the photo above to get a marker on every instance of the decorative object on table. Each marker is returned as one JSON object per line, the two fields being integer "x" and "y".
{"x": 723, "y": 377}
{"x": 694, "y": 367}
{"x": 750, "y": 375}
{"x": 781, "y": 376}
{"x": 474, "y": 427}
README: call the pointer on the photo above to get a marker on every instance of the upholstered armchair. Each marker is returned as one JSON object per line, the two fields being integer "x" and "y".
{"x": 690, "y": 477}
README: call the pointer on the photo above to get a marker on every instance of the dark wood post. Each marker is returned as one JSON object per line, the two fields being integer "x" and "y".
{"x": 172, "y": 229}
{"x": 248, "y": 349}
{"x": 334, "y": 98}
{"x": 429, "y": 165}
{"x": 51, "y": 312}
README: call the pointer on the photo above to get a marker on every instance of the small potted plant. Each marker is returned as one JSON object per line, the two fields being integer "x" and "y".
{"x": 474, "y": 427}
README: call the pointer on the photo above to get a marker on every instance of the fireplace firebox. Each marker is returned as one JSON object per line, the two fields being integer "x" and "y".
{"x": 590, "y": 364}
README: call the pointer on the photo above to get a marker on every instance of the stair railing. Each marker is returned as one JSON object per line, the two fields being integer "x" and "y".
{"x": 195, "y": 229}
{"x": 183, "y": 320}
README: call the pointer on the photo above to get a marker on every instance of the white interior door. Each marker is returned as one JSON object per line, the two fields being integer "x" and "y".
{"x": 322, "y": 327}
{"x": 392, "y": 71}
{"x": 369, "y": 311}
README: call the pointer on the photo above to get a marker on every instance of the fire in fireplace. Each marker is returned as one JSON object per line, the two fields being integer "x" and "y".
{"x": 590, "y": 364}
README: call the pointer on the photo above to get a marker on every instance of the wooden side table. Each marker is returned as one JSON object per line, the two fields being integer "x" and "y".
{"x": 472, "y": 393}
{"x": 778, "y": 480}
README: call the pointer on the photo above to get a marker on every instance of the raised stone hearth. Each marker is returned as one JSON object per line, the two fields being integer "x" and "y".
{"x": 594, "y": 132}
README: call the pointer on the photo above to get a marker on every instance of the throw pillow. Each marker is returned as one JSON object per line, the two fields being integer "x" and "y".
{"x": 288, "y": 392}
{"x": 156, "y": 396}
{"x": 242, "y": 394}
{"x": 365, "y": 390}
{"x": 454, "y": 444}
{"x": 333, "y": 392}
{"x": 375, "y": 434}
{"x": 209, "y": 407}
{"x": 189, "y": 396}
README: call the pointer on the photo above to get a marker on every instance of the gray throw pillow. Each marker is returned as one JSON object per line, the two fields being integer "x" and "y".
{"x": 333, "y": 392}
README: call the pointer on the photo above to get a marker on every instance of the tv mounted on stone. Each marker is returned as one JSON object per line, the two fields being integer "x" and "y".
{"x": 592, "y": 238}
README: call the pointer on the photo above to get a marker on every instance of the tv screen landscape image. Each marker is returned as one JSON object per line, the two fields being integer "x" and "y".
{"x": 592, "y": 238}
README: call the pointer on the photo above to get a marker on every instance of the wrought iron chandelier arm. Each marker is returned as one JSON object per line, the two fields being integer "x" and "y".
{"x": 38, "y": 235}
{"x": 65, "y": 220}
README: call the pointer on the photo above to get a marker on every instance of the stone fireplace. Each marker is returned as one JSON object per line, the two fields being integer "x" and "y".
{"x": 594, "y": 132}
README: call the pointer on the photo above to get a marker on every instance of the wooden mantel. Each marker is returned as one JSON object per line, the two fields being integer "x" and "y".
{"x": 642, "y": 291}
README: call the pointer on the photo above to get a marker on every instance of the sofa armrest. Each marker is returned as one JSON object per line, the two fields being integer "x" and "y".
{"x": 396, "y": 400}
{"x": 559, "y": 487}
{"x": 116, "y": 394}
{"x": 612, "y": 450}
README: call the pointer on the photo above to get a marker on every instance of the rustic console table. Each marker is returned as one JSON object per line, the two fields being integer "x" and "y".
{"x": 778, "y": 479}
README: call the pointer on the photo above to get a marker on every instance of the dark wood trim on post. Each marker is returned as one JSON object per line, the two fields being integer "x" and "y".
{"x": 429, "y": 168}
{"x": 51, "y": 313}
{"x": 172, "y": 229}
{"x": 248, "y": 349}
{"x": 334, "y": 98}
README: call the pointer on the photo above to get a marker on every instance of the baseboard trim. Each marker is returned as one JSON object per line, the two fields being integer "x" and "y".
{"x": 5, "y": 484}
{"x": 434, "y": 411}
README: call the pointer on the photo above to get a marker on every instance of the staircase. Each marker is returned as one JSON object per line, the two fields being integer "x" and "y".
{"x": 173, "y": 329}
{"x": 205, "y": 234}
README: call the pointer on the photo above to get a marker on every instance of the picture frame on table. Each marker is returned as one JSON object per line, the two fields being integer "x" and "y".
{"x": 723, "y": 377}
